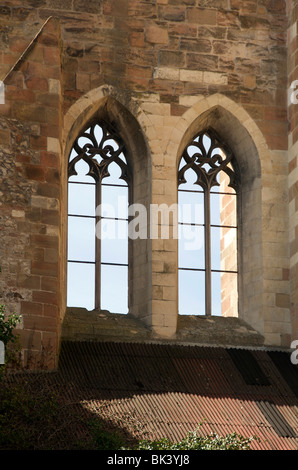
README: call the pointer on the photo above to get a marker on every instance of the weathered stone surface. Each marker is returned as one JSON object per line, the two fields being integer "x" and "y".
{"x": 174, "y": 67}
{"x": 81, "y": 325}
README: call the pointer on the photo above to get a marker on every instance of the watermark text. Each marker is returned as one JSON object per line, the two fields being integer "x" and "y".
{"x": 159, "y": 222}
{"x": 293, "y": 92}
{"x": 294, "y": 355}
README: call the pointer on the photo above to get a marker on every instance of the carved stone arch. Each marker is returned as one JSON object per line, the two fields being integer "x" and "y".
{"x": 238, "y": 130}
{"x": 224, "y": 114}
{"x": 100, "y": 106}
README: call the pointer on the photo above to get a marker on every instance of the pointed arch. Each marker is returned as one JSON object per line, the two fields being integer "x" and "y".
{"x": 230, "y": 120}
{"x": 99, "y": 106}
{"x": 237, "y": 129}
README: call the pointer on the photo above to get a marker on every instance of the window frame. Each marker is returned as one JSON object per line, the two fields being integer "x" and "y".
{"x": 99, "y": 171}
{"x": 206, "y": 180}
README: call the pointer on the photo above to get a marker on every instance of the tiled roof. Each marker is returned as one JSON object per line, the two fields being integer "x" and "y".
{"x": 166, "y": 390}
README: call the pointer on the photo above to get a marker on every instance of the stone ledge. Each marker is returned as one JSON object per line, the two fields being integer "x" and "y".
{"x": 83, "y": 325}
{"x": 227, "y": 331}
{"x": 99, "y": 325}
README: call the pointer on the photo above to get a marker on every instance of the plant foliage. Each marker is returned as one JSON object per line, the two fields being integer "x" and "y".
{"x": 7, "y": 326}
{"x": 195, "y": 441}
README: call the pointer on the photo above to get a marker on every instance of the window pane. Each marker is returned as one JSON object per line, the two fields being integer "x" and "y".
{"x": 114, "y": 288}
{"x": 81, "y": 239}
{"x": 114, "y": 201}
{"x": 190, "y": 177}
{"x": 229, "y": 249}
{"x": 81, "y": 199}
{"x": 228, "y": 212}
{"x": 191, "y": 247}
{"x": 82, "y": 168}
{"x": 215, "y": 248}
{"x": 191, "y": 293}
{"x": 114, "y": 244}
{"x": 191, "y": 207}
{"x": 80, "y": 285}
{"x": 215, "y": 216}
{"x": 223, "y": 182}
{"x": 115, "y": 173}
{"x": 224, "y": 248}
{"x": 216, "y": 293}
{"x": 73, "y": 154}
{"x": 229, "y": 294}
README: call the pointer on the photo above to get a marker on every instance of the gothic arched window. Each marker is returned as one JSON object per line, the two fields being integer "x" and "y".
{"x": 207, "y": 197}
{"x": 98, "y": 197}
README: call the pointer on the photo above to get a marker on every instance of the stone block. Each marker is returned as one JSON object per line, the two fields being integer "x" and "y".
{"x": 201, "y": 61}
{"x": 166, "y": 73}
{"x": 53, "y": 145}
{"x": 187, "y": 75}
{"x": 202, "y": 16}
{"x": 44, "y": 269}
{"x": 156, "y": 35}
{"x": 34, "y": 172}
{"x": 215, "y": 78}
{"x": 5, "y": 137}
{"x": 200, "y": 45}
{"x": 171, "y": 58}
{"x": 172, "y": 13}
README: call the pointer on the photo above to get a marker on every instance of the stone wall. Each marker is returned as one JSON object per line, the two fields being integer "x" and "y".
{"x": 292, "y": 162}
{"x": 30, "y": 124}
{"x": 173, "y": 67}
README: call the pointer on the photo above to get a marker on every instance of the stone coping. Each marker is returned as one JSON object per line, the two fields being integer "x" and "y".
{"x": 100, "y": 325}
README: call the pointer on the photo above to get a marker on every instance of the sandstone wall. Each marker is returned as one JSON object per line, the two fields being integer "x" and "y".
{"x": 175, "y": 66}
{"x": 292, "y": 161}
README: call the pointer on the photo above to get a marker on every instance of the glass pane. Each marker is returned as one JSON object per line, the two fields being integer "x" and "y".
{"x": 85, "y": 141}
{"x": 229, "y": 294}
{"x": 114, "y": 288}
{"x": 122, "y": 157}
{"x": 206, "y": 142}
{"x": 215, "y": 248}
{"x": 115, "y": 173}
{"x": 114, "y": 241}
{"x": 98, "y": 133}
{"x": 216, "y": 294}
{"x": 191, "y": 247}
{"x": 215, "y": 218}
{"x": 190, "y": 176}
{"x": 81, "y": 239}
{"x": 73, "y": 154}
{"x": 82, "y": 168}
{"x": 191, "y": 207}
{"x": 223, "y": 181}
{"x": 111, "y": 143}
{"x": 81, "y": 199}
{"x": 229, "y": 249}
{"x": 228, "y": 209}
{"x": 114, "y": 201}
{"x": 191, "y": 293}
{"x": 224, "y": 248}
{"x": 223, "y": 209}
{"x": 80, "y": 285}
